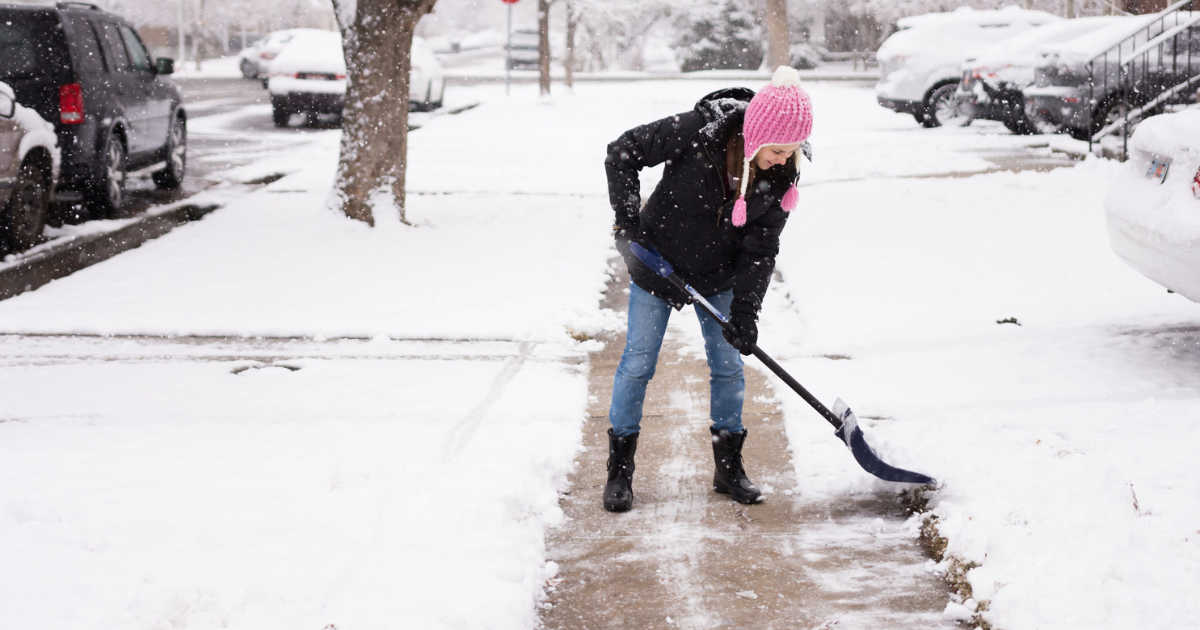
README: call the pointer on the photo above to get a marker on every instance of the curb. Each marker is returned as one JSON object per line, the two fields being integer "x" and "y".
{"x": 84, "y": 251}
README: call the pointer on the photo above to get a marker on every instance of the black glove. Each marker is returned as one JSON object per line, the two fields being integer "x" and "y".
{"x": 624, "y": 235}
{"x": 744, "y": 321}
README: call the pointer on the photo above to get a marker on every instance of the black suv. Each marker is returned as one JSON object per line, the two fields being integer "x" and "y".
{"x": 115, "y": 111}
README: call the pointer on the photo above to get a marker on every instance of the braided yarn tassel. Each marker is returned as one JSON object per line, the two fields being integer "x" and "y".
{"x": 790, "y": 198}
{"x": 739, "y": 206}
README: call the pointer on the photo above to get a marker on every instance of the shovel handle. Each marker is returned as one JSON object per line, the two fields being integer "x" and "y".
{"x": 655, "y": 261}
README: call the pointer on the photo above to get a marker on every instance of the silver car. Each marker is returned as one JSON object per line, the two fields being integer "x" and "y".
{"x": 29, "y": 166}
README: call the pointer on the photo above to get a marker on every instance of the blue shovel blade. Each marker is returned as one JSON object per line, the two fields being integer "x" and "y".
{"x": 852, "y": 435}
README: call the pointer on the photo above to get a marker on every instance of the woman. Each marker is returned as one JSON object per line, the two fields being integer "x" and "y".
{"x": 727, "y": 188}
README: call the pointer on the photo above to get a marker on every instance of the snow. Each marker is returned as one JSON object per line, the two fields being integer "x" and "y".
{"x": 364, "y": 427}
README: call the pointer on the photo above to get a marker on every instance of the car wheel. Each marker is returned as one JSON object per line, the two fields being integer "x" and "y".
{"x": 1019, "y": 125}
{"x": 943, "y": 108}
{"x": 108, "y": 194}
{"x": 25, "y": 213}
{"x": 919, "y": 117}
{"x": 281, "y": 115}
{"x": 249, "y": 69}
{"x": 441, "y": 98}
{"x": 171, "y": 177}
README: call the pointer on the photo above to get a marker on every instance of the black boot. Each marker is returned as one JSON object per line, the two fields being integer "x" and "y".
{"x": 618, "y": 493}
{"x": 730, "y": 477}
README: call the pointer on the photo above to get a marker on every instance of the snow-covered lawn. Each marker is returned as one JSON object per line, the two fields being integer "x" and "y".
{"x": 404, "y": 474}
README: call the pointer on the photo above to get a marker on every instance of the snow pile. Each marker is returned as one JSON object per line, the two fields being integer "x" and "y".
{"x": 986, "y": 335}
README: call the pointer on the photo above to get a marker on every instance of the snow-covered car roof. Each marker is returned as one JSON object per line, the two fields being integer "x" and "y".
{"x": 1022, "y": 48}
{"x": 1096, "y": 42}
{"x": 951, "y": 34}
{"x": 967, "y": 15}
{"x": 312, "y": 51}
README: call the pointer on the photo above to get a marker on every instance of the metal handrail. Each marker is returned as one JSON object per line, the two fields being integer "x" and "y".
{"x": 1126, "y": 65}
{"x": 1148, "y": 106}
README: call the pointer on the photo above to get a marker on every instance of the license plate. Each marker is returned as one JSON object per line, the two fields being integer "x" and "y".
{"x": 1157, "y": 170}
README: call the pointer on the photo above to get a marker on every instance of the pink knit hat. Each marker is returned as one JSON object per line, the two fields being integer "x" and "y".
{"x": 779, "y": 114}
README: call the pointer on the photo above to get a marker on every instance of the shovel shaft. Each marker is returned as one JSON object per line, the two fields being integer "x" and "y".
{"x": 758, "y": 352}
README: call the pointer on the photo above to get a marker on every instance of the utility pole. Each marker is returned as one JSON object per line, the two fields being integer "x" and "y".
{"x": 777, "y": 35}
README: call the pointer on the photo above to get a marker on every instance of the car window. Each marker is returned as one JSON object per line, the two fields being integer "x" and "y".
{"x": 139, "y": 59}
{"x": 114, "y": 48}
{"x": 28, "y": 46}
{"x": 88, "y": 47}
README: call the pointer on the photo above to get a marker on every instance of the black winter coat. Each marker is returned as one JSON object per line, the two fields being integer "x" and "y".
{"x": 687, "y": 219}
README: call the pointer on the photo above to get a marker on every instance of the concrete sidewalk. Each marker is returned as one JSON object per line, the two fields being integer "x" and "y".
{"x": 686, "y": 557}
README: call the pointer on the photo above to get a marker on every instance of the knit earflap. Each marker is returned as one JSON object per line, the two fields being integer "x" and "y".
{"x": 792, "y": 196}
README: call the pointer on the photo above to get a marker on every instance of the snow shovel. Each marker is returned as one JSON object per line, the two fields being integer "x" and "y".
{"x": 842, "y": 418}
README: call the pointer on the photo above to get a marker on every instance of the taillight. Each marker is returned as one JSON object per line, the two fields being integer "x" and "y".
{"x": 1196, "y": 185}
{"x": 340, "y": 77}
{"x": 70, "y": 104}
{"x": 267, "y": 54}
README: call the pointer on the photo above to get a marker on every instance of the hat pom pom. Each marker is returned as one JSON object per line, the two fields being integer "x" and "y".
{"x": 785, "y": 76}
{"x": 790, "y": 198}
{"x": 739, "y": 212}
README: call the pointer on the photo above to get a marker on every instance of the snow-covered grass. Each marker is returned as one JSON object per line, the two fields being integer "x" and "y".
{"x": 395, "y": 480}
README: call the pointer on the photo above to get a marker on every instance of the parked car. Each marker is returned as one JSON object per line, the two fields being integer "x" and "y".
{"x": 29, "y": 167}
{"x": 255, "y": 61}
{"x": 1073, "y": 95}
{"x": 114, "y": 109}
{"x": 523, "y": 52}
{"x": 921, "y": 64}
{"x": 1153, "y": 206}
{"x": 310, "y": 77}
{"x": 993, "y": 82}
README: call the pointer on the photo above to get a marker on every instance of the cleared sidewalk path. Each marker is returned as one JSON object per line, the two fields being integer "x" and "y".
{"x": 686, "y": 557}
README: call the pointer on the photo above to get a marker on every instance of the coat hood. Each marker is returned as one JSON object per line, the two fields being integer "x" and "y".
{"x": 722, "y": 108}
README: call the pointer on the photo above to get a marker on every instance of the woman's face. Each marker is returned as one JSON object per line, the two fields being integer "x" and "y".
{"x": 774, "y": 154}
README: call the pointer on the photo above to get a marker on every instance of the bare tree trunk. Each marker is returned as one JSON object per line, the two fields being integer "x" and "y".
{"x": 374, "y": 157}
{"x": 1028, "y": 5}
{"x": 544, "y": 46}
{"x": 572, "y": 24}
{"x": 1068, "y": 9}
{"x": 777, "y": 34}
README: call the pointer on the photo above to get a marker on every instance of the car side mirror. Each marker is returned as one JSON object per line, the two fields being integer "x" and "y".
{"x": 164, "y": 65}
{"x": 8, "y": 106}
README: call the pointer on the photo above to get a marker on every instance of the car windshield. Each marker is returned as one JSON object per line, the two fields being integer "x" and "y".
{"x": 27, "y": 47}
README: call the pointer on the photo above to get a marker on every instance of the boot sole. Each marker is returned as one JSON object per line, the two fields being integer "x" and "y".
{"x": 721, "y": 488}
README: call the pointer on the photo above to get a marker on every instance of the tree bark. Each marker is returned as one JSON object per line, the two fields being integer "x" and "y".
{"x": 544, "y": 46}
{"x": 777, "y": 35}
{"x": 572, "y": 24}
{"x": 1068, "y": 9}
{"x": 374, "y": 152}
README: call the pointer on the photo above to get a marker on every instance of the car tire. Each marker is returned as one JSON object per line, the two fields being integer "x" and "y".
{"x": 107, "y": 193}
{"x": 171, "y": 177}
{"x": 919, "y": 117}
{"x": 281, "y": 115}
{"x": 441, "y": 98}
{"x": 25, "y": 213}
{"x": 1020, "y": 125}
{"x": 942, "y": 110}
{"x": 249, "y": 69}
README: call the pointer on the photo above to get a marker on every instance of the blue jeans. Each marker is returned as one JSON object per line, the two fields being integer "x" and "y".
{"x": 648, "y": 317}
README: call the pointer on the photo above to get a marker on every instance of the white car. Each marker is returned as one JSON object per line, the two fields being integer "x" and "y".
{"x": 921, "y": 64}
{"x": 993, "y": 82}
{"x": 1153, "y": 207}
{"x": 309, "y": 76}
{"x": 255, "y": 61}
{"x": 29, "y": 169}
